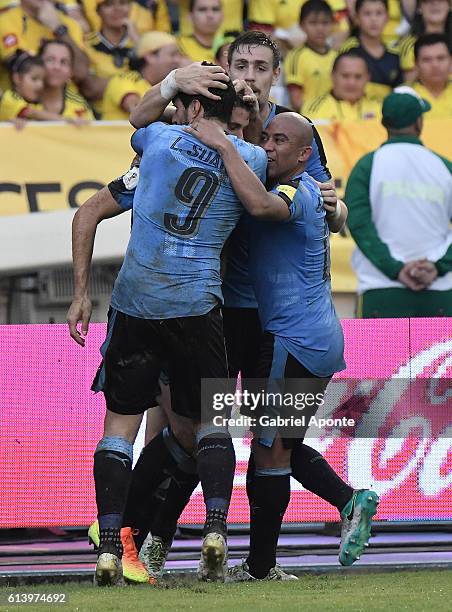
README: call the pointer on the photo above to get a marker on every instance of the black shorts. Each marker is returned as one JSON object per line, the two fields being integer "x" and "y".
{"x": 276, "y": 363}
{"x": 136, "y": 351}
{"x": 242, "y": 334}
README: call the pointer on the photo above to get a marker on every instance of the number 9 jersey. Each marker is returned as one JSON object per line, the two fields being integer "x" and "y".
{"x": 184, "y": 209}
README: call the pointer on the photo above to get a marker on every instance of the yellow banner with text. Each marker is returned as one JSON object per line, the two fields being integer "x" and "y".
{"x": 54, "y": 167}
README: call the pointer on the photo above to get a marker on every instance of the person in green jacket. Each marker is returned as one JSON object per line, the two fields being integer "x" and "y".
{"x": 399, "y": 199}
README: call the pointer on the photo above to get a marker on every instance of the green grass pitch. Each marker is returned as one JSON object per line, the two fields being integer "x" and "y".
{"x": 395, "y": 591}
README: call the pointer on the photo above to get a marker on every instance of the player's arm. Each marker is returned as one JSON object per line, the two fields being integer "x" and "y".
{"x": 192, "y": 79}
{"x": 84, "y": 225}
{"x": 249, "y": 189}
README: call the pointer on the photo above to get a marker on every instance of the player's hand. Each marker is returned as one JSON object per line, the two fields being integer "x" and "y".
{"x": 329, "y": 196}
{"x": 196, "y": 79}
{"x": 79, "y": 312}
{"x": 48, "y": 15}
{"x": 408, "y": 276}
{"x": 208, "y": 132}
{"x": 242, "y": 87}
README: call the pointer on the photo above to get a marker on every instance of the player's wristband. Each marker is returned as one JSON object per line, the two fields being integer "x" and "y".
{"x": 168, "y": 87}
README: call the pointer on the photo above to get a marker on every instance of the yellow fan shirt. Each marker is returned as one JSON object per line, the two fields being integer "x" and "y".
{"x": 329, "y": 107}
{"x": 120, "y": 86}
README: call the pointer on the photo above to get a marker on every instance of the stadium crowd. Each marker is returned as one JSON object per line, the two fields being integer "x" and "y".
{"x": 94, "y": 59}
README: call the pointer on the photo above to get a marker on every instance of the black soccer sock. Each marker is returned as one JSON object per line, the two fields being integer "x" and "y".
{"x": 315, "y": 474}
{"x": 154, "y": 465}
{"x": 250, "y": 474}
{"x": 270, "y": 497}
{"x": 112, "y": 470}
{"x": 216, "y": 465}
{"x": 177, "y": 497}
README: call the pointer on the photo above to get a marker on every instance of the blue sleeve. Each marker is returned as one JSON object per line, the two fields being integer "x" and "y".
{"x": 317, "y": 164}
{"x": 259, "y": 165}
{"x": 145, "y": 136}
{"x": 123, "y": 188}
{"x": 138, "y": 140}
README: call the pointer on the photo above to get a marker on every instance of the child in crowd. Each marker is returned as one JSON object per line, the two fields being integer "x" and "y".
{"x": 371, "y": 17}
{"x": 308, "y": 68}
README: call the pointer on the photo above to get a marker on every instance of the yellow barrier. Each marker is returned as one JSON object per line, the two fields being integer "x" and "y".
{"x": 54, "y": 167}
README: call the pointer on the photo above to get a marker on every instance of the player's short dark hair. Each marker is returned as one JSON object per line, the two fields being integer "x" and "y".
{"x": 359, "y": 4}
{"x": 430, "y": 39}
{"x": 218, "y": 109}
{"x": 62, "y": 43}
{"x": 21, "y": 62}
{"x": 315, "y": 7}
{"x": 353, "y": 54}
{"x": 254, "y": 38}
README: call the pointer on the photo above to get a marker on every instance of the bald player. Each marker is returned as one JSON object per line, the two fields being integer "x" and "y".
{"x": 303, "y": 342}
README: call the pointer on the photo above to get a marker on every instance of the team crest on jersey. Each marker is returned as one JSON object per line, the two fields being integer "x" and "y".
{"x": 10, "y": 40}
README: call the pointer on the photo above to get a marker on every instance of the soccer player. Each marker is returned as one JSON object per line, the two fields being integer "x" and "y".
{"x": 164, "y": 315}
{"x": 289, "y": 268}
{"x": 255, "y": 58}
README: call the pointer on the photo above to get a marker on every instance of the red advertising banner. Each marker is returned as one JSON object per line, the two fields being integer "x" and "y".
{"x": 50, "y": 423}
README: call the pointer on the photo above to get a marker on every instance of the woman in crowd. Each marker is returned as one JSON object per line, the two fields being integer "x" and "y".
{"x": 59, "y": 96}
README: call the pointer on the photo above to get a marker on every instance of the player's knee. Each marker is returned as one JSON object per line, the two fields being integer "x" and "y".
{"x": 122, "y": 425}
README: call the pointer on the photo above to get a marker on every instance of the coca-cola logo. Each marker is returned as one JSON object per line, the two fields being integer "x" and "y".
{"x": 412, "y": 418}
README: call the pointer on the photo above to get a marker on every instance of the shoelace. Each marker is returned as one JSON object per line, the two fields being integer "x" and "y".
{"x": 156, "y": 552}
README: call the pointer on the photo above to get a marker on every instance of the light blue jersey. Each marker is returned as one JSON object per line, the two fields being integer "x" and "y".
{"x": 184, "y": 209}
{"x": 290, "y": 270}
{"x": 237, "y": 288}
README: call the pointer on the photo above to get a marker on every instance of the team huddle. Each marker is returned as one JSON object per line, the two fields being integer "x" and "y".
{"x": 226, "y": 272}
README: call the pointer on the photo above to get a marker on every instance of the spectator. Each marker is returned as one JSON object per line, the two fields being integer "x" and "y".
{"x": 434, "y": 64}
{"x": 157, "y": 54}
{"x": 371, "y": 17}
{"x": 23, "y": 101}
{"x": 109, "y": 49}
{"x": 25, "y": 26}
{"x": 232, "y": 16}
{"x": 58, "y": 96}
{"x": 206, "y": 17}
{"x": 432, "y": 17}
{"x": 348, "y": 98}
{"x": 307, "y": 69}
{"x": 220, "y": 48}
{"x": 268, "y": 15}
{"x": 400, "y": 205}
{"x": 145, "y": 15}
